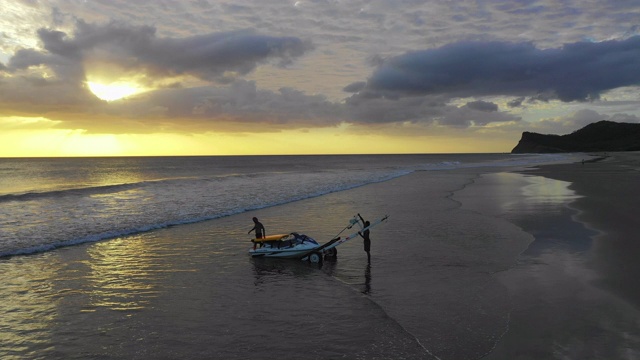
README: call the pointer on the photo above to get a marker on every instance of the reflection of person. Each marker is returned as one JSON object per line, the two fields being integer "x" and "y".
{"x": 367, "y": 279}
{"x": 259, "y": 228}
{"x": 365, "y": 236}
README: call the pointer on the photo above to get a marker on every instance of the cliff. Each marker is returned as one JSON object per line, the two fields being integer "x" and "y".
{"x": 599, "y": 136}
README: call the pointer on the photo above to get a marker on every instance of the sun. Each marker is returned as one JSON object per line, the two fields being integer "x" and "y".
{"x": 114, "y": 91}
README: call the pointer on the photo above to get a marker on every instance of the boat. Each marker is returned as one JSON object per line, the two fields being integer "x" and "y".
{"x": 299, "y": 246}
{"x": 292, "y": 245}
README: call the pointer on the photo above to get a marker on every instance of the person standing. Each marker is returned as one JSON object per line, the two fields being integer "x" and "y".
{"x": 259, "y": 229}
{"x": 365, "y": 236}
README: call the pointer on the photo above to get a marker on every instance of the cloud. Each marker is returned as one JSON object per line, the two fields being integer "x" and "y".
{"x": 415, "y": 88}
{"x": 355, "y": 87}
{"x": 243, "y": 102}
{"x": 482, "y": 106}
{"x": 426, "y": 110}
{"x": 575, "y": 72}
{"x": 478, "y": 114}
{"x": 213, "y": 57}
{"x": 52, "y": 80}
{"x": 239, "y": 106}
{"x": 222, "y": 58}
{"x": 516, "y": 102}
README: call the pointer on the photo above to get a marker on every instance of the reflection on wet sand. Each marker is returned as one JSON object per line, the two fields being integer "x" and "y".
{"x": 367, "y": 278}
{"x": 28, "y": 308}
{"x": 265, "y": 269}
{"x": 553, "y": 288}
{"x": 122, "y": 275}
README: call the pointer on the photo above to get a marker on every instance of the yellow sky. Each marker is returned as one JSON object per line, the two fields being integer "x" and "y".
{"x": 50, "y": 142}
{"x": 26, "y": 136}
{"x": 122, "y": 78}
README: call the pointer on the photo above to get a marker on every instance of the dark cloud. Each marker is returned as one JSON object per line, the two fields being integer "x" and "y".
{"x": 575, "y": 72}
{"x": 26, "y": 58}
{"x": 362, "y": 109}
{"x": 482, "y": 106}
{"x": 52, "y": 81}
{"x": 216, "y": 56}
{"x": 244, "y": 102}
{"x": 355, "y": 87}
{"x": 467, "y": 116}
{"x": 423, "y": 110}
{"x": 240, "y": 105}
{"x": 516, "y": 102}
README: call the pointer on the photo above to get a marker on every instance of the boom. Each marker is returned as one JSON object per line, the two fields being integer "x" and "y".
{"x": 338, "y": 240}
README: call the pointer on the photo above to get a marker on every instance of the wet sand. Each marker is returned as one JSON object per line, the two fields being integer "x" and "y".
{"x": 610, "y": 203}
{"x": 574, "y": 292}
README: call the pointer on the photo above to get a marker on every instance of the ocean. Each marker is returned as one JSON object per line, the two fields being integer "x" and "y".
{"x": 146, "y": 258}
{"x": 49, "y": 203}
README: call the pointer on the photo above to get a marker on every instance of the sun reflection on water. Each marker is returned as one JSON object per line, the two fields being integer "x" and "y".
{"x": 122, "y": 275}
{"x": 548, "y": 191}
{"x": 27, "y": 311}
{"x": 528, "y": 193}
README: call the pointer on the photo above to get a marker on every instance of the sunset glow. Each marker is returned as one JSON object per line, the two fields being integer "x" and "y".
{"x": 113, "y": 91}
{"x": 435, "y": 77}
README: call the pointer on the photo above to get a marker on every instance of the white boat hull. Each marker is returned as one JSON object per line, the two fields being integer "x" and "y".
{"x": 285, "y": 246}
{"x": 281, "y": 253}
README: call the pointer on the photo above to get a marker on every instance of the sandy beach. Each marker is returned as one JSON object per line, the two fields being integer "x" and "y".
{"x": 574, "y": 292}
{"x": 472, "y": 264}
{"x": 610, "y": 191}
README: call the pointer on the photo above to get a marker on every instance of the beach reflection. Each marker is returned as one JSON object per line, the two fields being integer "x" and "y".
{"x": 367, "y": 279}
{"x": 267, "y": 270}
{"x": 270, "y": 272}
{"x": 553, "y": 287}
{"x": 519, "y": 193}
{"x": 546, "y": 191}
{"x": 122, "y": 275}
{"x": 28, "y": 308}
{"x": 542, "y": 207}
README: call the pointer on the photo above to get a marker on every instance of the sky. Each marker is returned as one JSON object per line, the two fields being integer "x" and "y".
{"x": 218, "y": 77}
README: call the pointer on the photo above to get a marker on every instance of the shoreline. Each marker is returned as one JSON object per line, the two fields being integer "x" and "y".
{"x": 609, "y": 188}
{"x": 573, "y": 290}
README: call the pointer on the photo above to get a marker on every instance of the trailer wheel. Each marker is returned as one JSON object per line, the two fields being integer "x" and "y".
{"x": 333, "y": 252}
{"x": 315, "y": 258}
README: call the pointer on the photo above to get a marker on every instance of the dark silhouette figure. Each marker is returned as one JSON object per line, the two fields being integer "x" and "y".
{"x": 365, "y": 236}
{"x": 259, "y": 228}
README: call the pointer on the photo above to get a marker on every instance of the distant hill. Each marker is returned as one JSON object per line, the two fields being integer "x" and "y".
{"x": 600, "y": 136}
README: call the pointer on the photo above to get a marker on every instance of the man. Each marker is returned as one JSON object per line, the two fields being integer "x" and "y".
{"x": 365, "y": 236}
{"x": 259, "y": 228}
